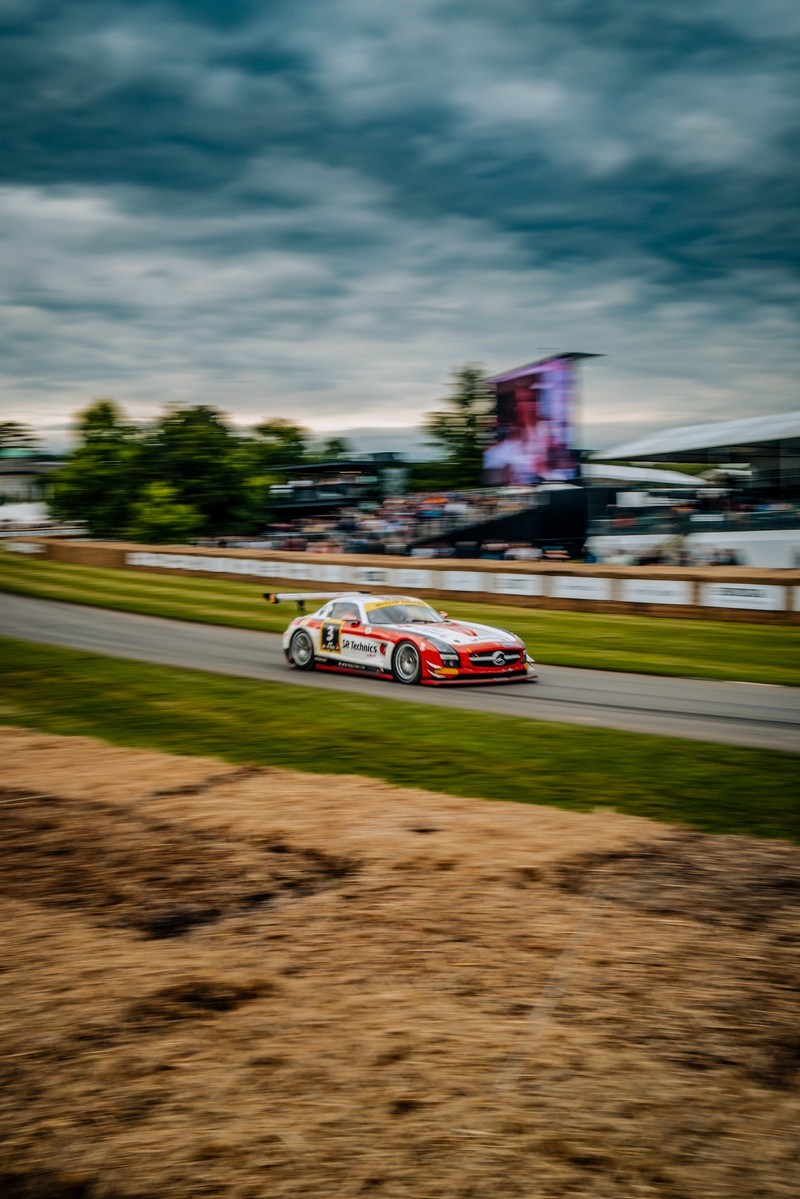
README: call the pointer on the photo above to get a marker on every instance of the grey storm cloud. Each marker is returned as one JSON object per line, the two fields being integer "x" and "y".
{"x": 322, "y": 206}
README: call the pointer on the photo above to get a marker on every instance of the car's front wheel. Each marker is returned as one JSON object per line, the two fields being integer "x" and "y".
{"x": 407, "y": 664}
{"x": 301, "y": 650}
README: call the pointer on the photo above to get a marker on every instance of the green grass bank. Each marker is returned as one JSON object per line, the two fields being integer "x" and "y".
{"x": 649, "y": 645}
{"x": 715, "y": 788}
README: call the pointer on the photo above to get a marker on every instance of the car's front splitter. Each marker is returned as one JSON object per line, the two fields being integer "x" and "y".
{"x": 529, "y": 676}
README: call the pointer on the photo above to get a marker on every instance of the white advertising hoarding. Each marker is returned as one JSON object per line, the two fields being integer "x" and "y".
{"x": 656, "y": 591}
{"x": 517, "y": 584}
{"x": 580, "y": 587}
{"x": 461, "y": 580}
{"x": 332, "y": 573}
{"x": 748, "y": 596}
{"x": 22, "y": 547}
{"x": 758, "y": 597}
{"x": 299, "y": 571}
{"x": 264, "y": 570}
{"x": 140, "y": 558}
{"x": 228, "y": 566}
{"x": 372, "y": 575}
{"x": 414, "y": 580}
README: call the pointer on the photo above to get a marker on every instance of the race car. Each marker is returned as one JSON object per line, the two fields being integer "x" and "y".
{"x": 401, "y": 638}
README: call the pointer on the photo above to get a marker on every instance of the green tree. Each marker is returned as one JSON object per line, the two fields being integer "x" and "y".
{"x": 251, "y": 510}
{"x": 158, "y": 517}
{"x": 195, "y": 452}
{"x": 461, "y": 429}
{"x": 101, "y": 477}
{"x": 279, "y": 443}
{"x": 335, "y": 449}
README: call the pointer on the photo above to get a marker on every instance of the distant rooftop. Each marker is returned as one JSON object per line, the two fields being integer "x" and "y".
{"x": 596, "y": 473}
{"x": 696, "y": 442}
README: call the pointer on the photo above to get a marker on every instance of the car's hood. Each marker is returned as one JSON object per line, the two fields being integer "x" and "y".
{"x": 459, "y": 633}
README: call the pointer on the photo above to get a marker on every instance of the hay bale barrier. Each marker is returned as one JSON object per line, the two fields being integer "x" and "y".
{"x": 240, "y": 982}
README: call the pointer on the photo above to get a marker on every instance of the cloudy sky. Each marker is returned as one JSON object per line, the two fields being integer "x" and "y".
{"x": 318, "y": 208}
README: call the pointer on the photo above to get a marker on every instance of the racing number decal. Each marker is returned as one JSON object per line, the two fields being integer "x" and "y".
{"x": 330, "y": 638}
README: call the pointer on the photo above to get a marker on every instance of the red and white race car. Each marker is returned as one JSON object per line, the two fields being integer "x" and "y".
{"x": 399, "y": 637}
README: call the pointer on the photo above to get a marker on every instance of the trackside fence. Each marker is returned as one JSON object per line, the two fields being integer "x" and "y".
{"x": 718, "y": 593}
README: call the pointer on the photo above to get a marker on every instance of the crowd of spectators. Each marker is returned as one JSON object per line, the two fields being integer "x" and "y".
{"x": 394, "y": 526}
{"x": 689, "y": 514}
{"x": 406, "y": 525}
{"x": 667, "y": 555}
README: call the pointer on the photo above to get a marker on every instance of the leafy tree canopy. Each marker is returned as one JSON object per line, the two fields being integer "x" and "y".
{"x": 191, "y": 474}
{"x": 188, "y": 474}
{"x": 102, "y": 423}
{"x": 99, "y": 479}
{"x": 461, "y": 429}
{"x": 335, "y": 449}
{"x": 159, "y": 518}
{"x": 194, "y": 450}
{"x": 279, "y": 443}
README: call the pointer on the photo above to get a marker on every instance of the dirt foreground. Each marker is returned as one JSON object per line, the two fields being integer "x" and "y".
{"x": 242, "y": 982}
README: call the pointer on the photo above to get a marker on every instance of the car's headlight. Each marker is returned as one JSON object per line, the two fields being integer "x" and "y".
{"x": 446, "y": 652}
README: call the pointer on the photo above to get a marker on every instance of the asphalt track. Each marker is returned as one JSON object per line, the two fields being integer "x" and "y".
{"x": 751, "y": 714}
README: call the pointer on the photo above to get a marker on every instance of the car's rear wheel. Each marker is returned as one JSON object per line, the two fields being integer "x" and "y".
{"x": 301, "y": 650}
{"x": 407, "y": 664}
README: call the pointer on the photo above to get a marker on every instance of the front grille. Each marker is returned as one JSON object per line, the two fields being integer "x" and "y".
{"x": 492, "y": 658}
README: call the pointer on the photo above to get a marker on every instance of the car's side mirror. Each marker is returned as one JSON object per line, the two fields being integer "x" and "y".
{"x": 443, "y": 615}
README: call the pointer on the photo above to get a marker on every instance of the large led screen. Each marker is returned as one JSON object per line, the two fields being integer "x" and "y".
{"x": 533, "y": 435}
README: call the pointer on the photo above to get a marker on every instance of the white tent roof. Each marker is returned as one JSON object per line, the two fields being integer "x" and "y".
{"x": 710, "y": 436}
{"x": 639, "y": 474}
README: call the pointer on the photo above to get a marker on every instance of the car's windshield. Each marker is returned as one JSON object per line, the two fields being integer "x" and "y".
{"x": 403, "y": 614}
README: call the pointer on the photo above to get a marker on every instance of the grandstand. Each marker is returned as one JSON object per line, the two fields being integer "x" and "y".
{"x": 749, "y": 506}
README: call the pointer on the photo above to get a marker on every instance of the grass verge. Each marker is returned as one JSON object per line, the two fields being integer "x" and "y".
{"x": 716, "y": 788}
{"x": 643, "y": 644}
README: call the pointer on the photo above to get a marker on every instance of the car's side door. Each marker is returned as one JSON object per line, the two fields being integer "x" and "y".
{"x": 337, "y": 616}
{"x": 346, "y": 639}
{"x": 365, "y": 646}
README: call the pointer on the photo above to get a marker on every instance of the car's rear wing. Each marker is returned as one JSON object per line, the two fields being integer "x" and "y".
{"x": 300, "y": 597}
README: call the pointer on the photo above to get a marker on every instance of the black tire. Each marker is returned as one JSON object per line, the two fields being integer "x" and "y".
{"x": 407, "y": 664}
{"x": 301, "y": 650}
